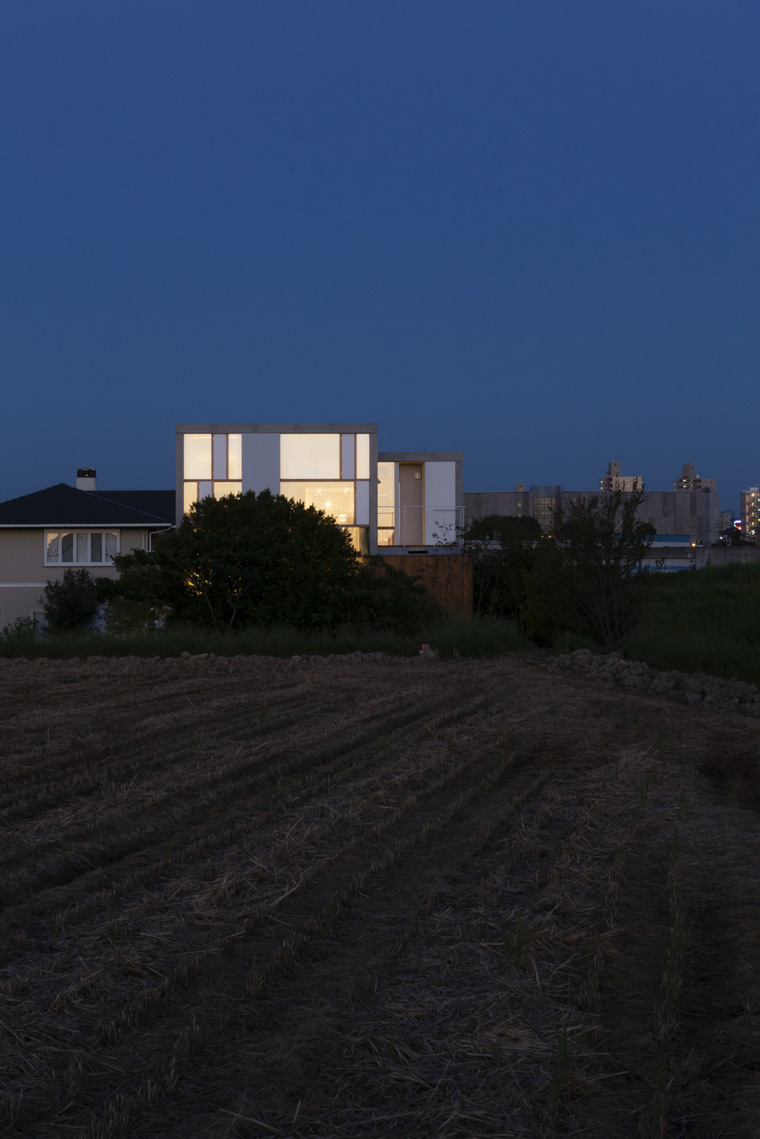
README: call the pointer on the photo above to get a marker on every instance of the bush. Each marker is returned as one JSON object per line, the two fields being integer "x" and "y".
{"x": 71, "y": 603}
{"x": 125, "y": 618}
{"x": 22, "y": 634}
{"x": 384, "y": 597}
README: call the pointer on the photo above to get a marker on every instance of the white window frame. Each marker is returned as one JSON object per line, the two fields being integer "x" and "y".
{"x": 106, "y": 560}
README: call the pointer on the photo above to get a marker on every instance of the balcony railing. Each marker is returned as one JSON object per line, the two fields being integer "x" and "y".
{"x": 420, "y": 525}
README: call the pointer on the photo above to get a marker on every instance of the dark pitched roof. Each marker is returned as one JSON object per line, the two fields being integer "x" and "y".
{"x": 161, "y": 503}
{"x": 64, "y": 505}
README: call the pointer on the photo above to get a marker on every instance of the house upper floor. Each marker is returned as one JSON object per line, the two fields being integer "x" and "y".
{"x": 388, "y": 500}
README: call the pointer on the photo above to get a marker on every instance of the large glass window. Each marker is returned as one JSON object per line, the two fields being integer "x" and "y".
{"x": 195, "y": 491}
{"x": 234, "y": 457}
{"x": 309, "y": 456}
{"x": 335, "y": 498}
{"x": 359, "y": 536}
{"x": 197, "y": 462}
{"x": 190, "y": 496}
{"x": 223, "y": 488}
{"x": 213, "y": 466}
{"x": 386, "y": 495}
{"x": 80, "y": 547}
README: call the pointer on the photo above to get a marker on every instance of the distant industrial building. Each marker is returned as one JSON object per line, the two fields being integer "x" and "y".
{"x": 692, "y": 509}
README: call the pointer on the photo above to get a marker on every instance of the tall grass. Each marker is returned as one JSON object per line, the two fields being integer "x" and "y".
{"x": 455, "y": 637}
{"x": 702, "y": 621}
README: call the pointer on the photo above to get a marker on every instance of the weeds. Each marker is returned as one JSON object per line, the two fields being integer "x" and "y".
{"x": 707, "y": 621}
{"x": 451, "y": 638}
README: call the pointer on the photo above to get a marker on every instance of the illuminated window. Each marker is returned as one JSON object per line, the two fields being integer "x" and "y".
{"x": 359, "y": 536}
{"x": 222, "y": 488}
{"x": 310, "y": 456}
{"x": 386, "y": 497}
{"x": 195, "y": 491}
{"x": 234, "y": 456}
{"x": 80, "y": 547}
{"x": 190, "y": 496}
{"x": 213, "y": 467}
{"x": 335, "y": 498}
{"x": 197, "y": 456}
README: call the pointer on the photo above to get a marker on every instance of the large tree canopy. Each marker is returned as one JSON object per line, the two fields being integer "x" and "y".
{"x": 247, "y": 559}
{"x": 263, "y": 559}
{"x": 503, "y": 528}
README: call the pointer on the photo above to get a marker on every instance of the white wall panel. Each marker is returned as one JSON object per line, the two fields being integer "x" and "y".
{"x": 261, "y": 461}
{"x": 440, "y": 502}
{"x": 347, "y": 458}
{"x": 362, "y": 503}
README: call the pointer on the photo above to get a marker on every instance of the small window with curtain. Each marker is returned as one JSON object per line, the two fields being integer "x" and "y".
{"x": 81, "y": 547}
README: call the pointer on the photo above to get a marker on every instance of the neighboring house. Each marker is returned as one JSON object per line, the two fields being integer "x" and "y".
{"x": 402, "y": 502}
{"x": 45, "y": 533}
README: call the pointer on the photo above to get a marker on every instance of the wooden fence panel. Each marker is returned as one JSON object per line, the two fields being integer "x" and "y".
{"x": 448, "y": 578}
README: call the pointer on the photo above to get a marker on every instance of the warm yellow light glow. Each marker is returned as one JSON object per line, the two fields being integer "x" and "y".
{"x": 336, "y": 498}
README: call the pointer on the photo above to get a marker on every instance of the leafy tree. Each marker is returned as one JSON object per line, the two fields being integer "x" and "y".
{"x": 263, "y": 559}
{"x": 246, "y": 559}
{"x": 586, "y": 575}
{"x": 71, "y": 602}
{"x": 504, "y": 528}
{"x": 502, "y": 548}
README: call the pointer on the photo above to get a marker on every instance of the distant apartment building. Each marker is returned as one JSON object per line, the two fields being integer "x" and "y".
{"x": 689, "y": 480}
{"x": 613, "y": 480}
{"x": 750, "y": 512}
{"x": 691, "y": 511}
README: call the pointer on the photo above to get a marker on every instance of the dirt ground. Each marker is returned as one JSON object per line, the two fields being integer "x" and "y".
{"x": 373, "y": 898}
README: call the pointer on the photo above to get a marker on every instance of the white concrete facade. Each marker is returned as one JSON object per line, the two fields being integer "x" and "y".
{"x": 334, "y": 466}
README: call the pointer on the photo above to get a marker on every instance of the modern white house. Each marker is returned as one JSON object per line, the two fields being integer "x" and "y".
{"x": 389, "y": 501}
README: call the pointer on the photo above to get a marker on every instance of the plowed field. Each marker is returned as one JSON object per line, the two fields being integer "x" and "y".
{"x": 372, "y": 898}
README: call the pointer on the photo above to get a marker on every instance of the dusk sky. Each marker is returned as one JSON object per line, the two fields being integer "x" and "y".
{"x": 528, "y": 230}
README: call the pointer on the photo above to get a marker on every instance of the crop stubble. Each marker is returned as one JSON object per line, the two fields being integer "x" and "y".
{"x": 250, "y": 897}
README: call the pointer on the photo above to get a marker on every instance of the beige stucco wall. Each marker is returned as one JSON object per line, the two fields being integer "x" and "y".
{"x": 23, "y": 573}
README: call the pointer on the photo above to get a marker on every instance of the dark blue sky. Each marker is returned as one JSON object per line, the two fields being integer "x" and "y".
{"x": 523, "y": 229}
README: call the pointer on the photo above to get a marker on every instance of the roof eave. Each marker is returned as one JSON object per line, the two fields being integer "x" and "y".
{"x": 87, "y": 525}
